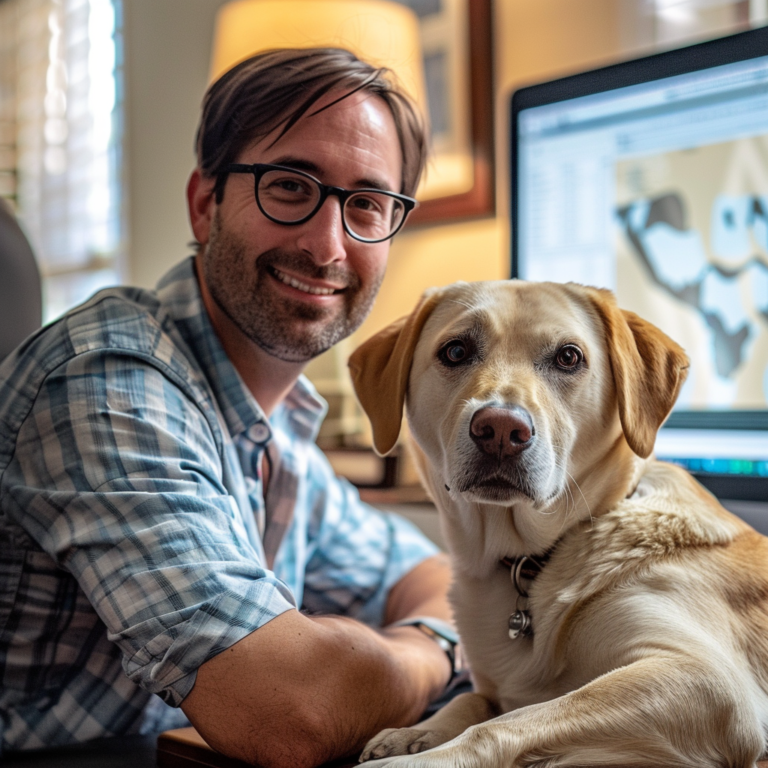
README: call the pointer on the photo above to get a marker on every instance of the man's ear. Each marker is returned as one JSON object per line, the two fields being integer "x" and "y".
{"x": 200, "y": 204}
{"x": 648, "y": 370}
{"x": 380, "y": 370}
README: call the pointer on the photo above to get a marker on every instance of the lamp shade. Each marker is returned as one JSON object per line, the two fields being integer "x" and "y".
{"x": 380, "y": 32}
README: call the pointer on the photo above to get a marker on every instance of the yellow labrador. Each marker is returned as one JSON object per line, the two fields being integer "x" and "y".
{"x": 612, "y": 612}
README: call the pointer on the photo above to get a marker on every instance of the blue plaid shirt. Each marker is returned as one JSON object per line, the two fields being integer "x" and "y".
{"x": 135, "y": 540}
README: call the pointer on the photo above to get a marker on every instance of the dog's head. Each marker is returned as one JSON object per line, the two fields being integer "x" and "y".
{"x": 513, "y": 390}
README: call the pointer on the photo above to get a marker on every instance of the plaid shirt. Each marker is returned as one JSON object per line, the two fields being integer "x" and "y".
{"x": 135, "y": 541}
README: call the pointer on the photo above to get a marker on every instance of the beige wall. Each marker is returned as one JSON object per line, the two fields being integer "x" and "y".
{"x": 535, "y": 40}
{"x": 167, "y": 53}
{"x": 167, "y": 49}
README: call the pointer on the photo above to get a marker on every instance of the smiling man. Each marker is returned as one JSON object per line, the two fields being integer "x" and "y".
{"x": 164, "y": 512}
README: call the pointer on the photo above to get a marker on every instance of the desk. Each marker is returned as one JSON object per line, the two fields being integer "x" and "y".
{"x": 129, "y": 752}
{"x": 121, "y": 752}
{"x": 185, "y": 748}
{"x": 132, "y": 752}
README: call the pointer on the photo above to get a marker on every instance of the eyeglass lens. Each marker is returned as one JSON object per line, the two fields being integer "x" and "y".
{"x": 289, "y": 197}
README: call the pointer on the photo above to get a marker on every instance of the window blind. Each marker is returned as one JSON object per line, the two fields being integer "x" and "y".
{"x": 60, "y": 139}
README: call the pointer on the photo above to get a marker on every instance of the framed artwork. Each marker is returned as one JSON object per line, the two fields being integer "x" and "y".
{"x": 458, "y": 67}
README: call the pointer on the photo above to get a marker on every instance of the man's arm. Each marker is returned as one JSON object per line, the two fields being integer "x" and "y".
{"x": 302, "y": 690}
{"x": 423, "y": 591}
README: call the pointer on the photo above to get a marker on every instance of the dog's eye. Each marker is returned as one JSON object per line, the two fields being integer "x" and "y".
{"x": 568, "y": 357}
{"x": 455, "y": 353}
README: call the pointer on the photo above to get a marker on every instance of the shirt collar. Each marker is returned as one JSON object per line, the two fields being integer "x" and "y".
{"x": 179, "y": 293}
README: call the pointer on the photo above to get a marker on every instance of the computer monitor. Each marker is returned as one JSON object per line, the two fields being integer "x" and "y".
{"x": 650, "y": 178}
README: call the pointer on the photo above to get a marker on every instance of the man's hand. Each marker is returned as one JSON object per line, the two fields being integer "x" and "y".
{"x": 303, "y": 690}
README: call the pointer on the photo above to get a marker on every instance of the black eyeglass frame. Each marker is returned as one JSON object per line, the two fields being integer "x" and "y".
{"x": 259, "y": 169}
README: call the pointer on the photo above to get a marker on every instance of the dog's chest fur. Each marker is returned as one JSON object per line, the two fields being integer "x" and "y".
{"x": 626, "y": 565}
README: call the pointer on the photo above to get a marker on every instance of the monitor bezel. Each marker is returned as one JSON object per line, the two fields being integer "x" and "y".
{"x": 741, "y": 46}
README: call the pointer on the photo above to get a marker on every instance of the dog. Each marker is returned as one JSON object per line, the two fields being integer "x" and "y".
{"x": 612, "y": 612}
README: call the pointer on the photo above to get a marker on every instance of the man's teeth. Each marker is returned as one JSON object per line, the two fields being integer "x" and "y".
{"x": 294, "y": 283}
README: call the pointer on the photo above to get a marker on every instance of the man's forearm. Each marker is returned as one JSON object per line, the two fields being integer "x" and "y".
{"x": 422, "y": 592}
{"x": 301, "y": 691}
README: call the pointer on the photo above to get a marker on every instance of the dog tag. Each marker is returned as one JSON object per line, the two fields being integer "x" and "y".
{"x": 519, "y": 624}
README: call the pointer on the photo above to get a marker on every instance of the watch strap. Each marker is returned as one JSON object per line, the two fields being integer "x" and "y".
{"x": 439, "y": 631}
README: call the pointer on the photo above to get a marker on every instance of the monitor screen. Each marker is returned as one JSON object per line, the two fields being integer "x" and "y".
{"x": 651, "y": 178}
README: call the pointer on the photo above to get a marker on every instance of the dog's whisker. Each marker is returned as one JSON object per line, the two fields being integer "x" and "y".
{"x": 586, "y": 503}
{"x": 570, "y": 501}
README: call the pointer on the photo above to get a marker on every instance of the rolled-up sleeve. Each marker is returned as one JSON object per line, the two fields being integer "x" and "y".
{"x": 118, "y": 477}
{"x": 358, "y": 553}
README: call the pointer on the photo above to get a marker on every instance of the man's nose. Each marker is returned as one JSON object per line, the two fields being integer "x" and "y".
{"x": 323, "y": 237}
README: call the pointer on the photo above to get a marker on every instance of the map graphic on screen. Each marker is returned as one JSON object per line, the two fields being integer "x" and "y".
{"x": 692, "y": 254}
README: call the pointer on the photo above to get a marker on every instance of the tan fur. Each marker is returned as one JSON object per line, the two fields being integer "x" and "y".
{"x": 650, "y": 643}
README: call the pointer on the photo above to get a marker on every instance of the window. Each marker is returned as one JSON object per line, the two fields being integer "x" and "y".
{"x": 670, "y": 23}
{"x": 60, "y": 139}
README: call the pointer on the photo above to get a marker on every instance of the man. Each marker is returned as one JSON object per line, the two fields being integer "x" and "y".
{"x": 163, "y": 509}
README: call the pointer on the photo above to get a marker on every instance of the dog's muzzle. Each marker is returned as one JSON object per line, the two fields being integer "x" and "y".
{"x": 500, "y": 467}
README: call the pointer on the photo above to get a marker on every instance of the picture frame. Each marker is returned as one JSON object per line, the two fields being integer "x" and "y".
{"x": 458, "y": 64}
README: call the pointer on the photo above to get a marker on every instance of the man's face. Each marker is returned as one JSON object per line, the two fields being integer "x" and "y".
{"x": 297, "y": 290}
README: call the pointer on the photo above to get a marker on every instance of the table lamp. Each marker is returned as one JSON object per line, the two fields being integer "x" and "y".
{"x": 381, "y": 32}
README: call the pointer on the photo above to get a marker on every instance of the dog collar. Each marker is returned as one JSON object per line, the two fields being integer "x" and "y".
{"x": 523, "y": 568}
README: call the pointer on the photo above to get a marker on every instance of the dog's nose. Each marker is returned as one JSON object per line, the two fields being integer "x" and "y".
{"x": 502, "y": 431}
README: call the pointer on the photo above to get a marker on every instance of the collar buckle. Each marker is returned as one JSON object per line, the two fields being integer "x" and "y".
{"x": 523, "y": 568}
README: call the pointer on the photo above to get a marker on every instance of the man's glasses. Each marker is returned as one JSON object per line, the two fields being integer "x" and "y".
{"x": 287, "y": 196}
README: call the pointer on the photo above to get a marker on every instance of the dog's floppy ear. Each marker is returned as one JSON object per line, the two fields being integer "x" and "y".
{"x": 648, "y": 371}
{"x": 380, "y": 369}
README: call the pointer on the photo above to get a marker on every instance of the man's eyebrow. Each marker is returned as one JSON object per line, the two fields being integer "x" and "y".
{"x": 298, "y": 164}
{"x": 308, "y": 166}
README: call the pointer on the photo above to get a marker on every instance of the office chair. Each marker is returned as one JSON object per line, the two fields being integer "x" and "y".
{"x": 21, "y": 301}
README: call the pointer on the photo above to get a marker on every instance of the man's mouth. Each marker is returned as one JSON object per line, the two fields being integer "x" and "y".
{"x": 300, "y": 286}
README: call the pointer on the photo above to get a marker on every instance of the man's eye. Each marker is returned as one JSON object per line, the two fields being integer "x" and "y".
{"x": 284, "y": 188}
{"x": 455, "y": 353}
{"x": 364, "y": 203}
{"x": 569, "y": 357}
{"x": 290, "y": 185}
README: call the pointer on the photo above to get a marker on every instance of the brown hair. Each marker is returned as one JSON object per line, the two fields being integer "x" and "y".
{"x": 275, "y": 88}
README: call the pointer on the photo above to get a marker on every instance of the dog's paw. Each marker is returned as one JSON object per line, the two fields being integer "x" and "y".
{"x": 400, "y": 741}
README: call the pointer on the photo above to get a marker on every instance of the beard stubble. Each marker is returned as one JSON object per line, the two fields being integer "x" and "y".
{"x": 290, "y": 330}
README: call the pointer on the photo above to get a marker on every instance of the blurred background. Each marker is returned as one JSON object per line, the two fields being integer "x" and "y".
{"x": 99, "y": 100}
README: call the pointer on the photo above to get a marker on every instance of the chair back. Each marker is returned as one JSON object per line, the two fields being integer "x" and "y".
{"x": 21, "y": 301}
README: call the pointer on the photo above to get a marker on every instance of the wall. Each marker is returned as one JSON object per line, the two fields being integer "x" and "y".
{"x": 535, "y": 40}
{"x": 167, "y": 49}
{"x": 167, "y": 53}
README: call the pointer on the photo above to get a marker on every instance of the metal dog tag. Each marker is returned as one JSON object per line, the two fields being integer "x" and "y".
{"x": 519, "y": 624}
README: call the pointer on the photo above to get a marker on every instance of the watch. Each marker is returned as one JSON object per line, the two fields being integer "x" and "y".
{"x": 439, "y": 631}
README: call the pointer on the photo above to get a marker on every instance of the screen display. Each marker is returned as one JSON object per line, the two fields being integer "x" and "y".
{"x": 659, "y": 191}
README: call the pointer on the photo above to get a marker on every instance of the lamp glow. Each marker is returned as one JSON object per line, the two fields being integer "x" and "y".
{"x": 380, "y": 32}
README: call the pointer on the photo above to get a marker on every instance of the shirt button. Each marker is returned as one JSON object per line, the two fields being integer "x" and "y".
{"x": 260, "y": 433}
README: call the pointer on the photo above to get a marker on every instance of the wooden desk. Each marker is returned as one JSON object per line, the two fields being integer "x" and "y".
{"x": 120, "y": 752}
{"x": 185, "y": 748}
{"x": 182, "y": 748}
